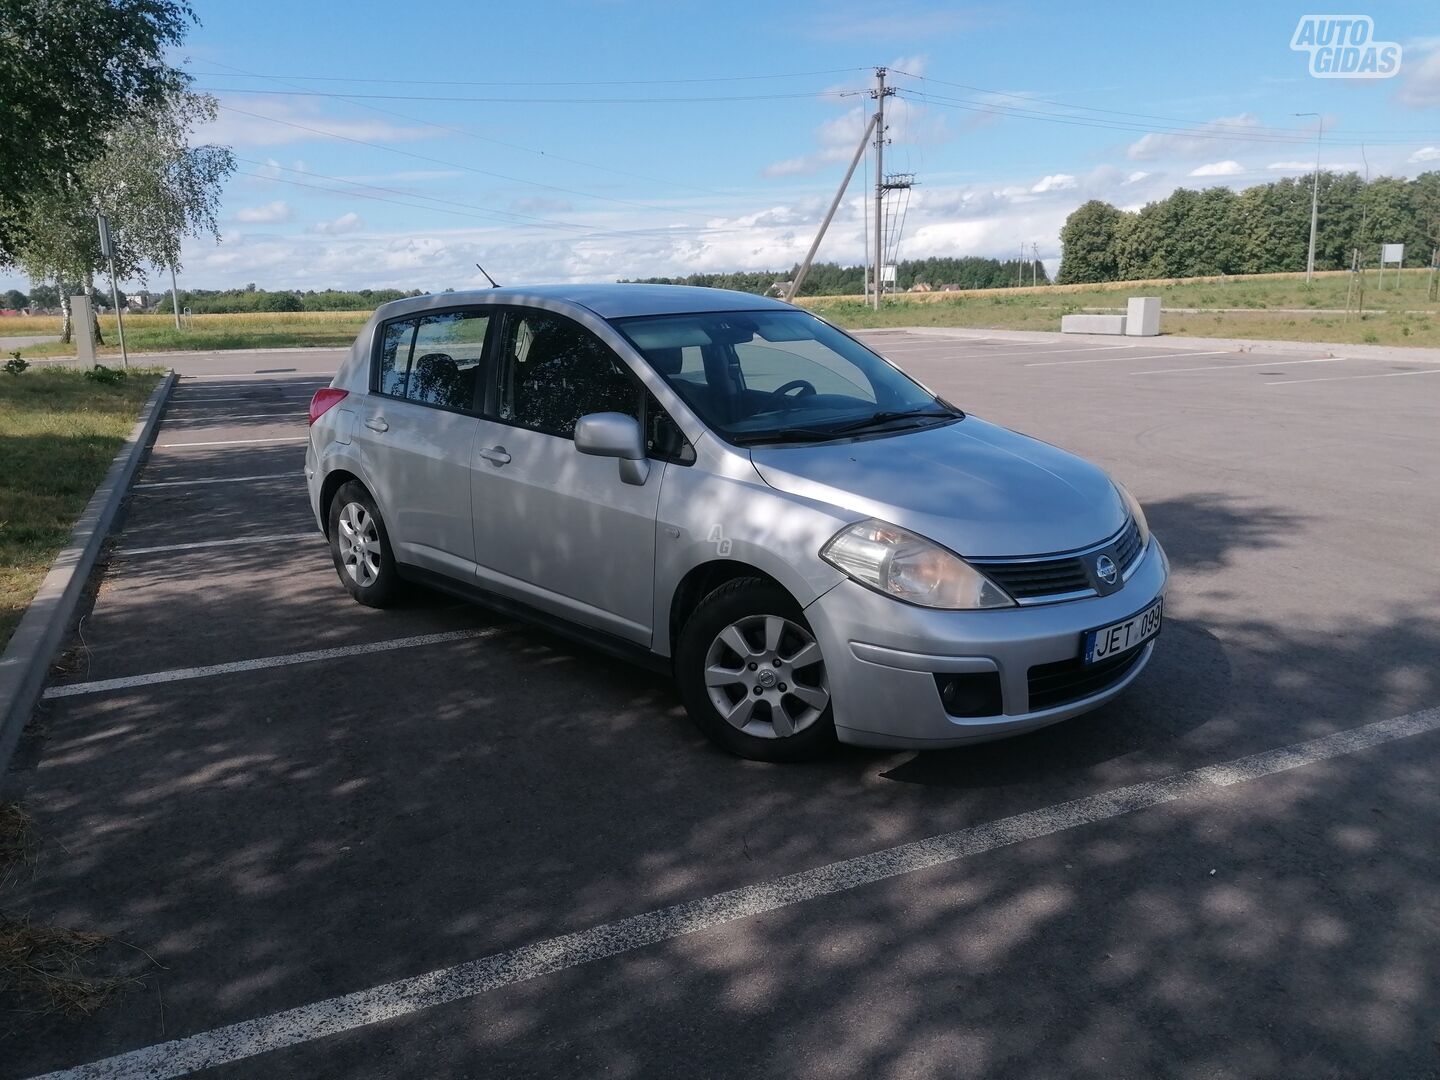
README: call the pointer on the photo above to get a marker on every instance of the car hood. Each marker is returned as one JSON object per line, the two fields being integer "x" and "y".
{"x": 979, "y": 489}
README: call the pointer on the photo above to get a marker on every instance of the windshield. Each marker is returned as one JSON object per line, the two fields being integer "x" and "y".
{"x": 758, "y": 375}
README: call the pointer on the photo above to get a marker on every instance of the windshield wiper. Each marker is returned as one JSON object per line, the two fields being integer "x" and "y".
{"x": 789, "y": 434}
{"x": 885, "y": 416}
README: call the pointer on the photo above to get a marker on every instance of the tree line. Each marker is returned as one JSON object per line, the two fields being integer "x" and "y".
{"x": 250, "y": 298}
{"x": 832, "y": 279}
{"x": 1263, "y": 229}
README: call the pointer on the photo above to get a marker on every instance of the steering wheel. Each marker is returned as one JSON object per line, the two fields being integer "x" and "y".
{"x": 805, "y": 386}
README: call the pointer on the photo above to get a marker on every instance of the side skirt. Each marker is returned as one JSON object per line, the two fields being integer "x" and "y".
{"x": 598, "y": 640}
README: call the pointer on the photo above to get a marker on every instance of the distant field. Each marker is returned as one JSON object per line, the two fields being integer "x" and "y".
{"x": 1274, "y": 306}
{"x": 157, "y": 333}
{"x": 1270, "y": 307}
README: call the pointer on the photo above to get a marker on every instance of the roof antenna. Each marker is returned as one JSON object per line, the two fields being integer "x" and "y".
{"x": 488, "y": 278}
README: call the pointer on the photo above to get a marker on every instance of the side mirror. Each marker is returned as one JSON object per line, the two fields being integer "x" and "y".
{"x": 610, "y": 434}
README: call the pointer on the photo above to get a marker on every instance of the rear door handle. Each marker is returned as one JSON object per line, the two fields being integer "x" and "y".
{"x": 376, "y": 423}
{"x": 496, "y": 455}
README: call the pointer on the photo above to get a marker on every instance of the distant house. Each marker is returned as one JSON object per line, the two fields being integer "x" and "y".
{"x": 10, "y": 311}
{"x": 780, "y": 288}
{"x": 921, "y": 286}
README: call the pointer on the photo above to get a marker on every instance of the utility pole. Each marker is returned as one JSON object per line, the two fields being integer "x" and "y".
{"x": 834, "y": 205}
{"x": 108, "y": 251}
{"x": 1314, "y": 194}
{"x": 174, "y": 295}
{"x": 881, "y": 92}
{"x": 1035, "y": 265}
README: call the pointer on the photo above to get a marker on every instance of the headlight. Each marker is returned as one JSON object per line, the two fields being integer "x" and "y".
{"x": 1133, "y": 504}
{"x": 909, "y": 567}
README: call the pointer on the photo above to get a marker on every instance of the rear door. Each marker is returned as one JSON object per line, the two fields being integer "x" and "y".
{"x": 418, "y": 428}
{"x": 555, "y": 527}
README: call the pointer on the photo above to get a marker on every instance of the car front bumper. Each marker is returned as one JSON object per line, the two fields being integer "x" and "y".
{"x": 883, "y": 656}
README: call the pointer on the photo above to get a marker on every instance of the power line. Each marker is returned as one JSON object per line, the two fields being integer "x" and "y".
{"x": 496, "y": 141}
{"x": 1303, "y": 133}
{"x": 518, "y": 82}
{"x": 457, "y": 165}
{"x": 1248, "y": 135}
{"x": 812, "y": 94}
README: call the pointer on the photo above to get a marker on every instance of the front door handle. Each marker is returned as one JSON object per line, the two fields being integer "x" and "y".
{"x": 376, "y": 423}
{"x": 496, "y": 455}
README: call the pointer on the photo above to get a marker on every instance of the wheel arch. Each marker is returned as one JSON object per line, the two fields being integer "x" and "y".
{"x": 334, "y": 481}
{"x": 700, "y": 581}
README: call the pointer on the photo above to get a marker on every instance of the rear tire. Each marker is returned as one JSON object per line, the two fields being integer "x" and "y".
{"x": 360, "y": 546}
{"x": 752, "y": 676}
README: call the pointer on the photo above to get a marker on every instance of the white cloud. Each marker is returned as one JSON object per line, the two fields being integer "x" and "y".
{"x": 1057, "y": 182}
{"x": 345, "y": 223}
{"x": 1420, "y": 80}
{"x": 1219, "y": 168}
{"x": 249, "y": 121}
{"x": 1425, "y": 153}
{"x": 907, "y": 124}
{"x": 1136, "y": 176}
{"x": 270, "y": 213}
{"x": 1207, "y": 138}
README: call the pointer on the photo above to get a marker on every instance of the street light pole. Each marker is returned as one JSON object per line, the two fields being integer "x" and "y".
{"x": 1314, "y": 194}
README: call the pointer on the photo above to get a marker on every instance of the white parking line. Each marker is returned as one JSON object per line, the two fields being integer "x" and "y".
{"x": 177, "y": 399}
{"x": 1347, "y": 378}
{"x": 278, "y": 376}
{"x": 1228, "y": 367}
{"x": 1117, "y": 359}
{"x": 273, "y": 538}
{"x": 307, "y": 1023}
{"x": 217, "y": 480}
{"x": 101, "y": 686}
{"x": 222, "y": 419}
{"x": 230, "y": 442}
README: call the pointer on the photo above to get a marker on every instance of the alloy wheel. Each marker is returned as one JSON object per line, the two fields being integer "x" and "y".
{"x": 359, "y": 540}
{"x": 766, "y": 677}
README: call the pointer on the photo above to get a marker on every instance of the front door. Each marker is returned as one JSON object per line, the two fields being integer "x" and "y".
{"x": 555, "y": 527}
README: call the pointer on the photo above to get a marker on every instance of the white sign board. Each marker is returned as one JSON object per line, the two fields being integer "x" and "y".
{"x": 887, "y": 274}
{"x": 1392, "y": 253}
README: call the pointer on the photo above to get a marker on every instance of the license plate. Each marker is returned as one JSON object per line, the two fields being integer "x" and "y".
{"x": 1120, "y": 637}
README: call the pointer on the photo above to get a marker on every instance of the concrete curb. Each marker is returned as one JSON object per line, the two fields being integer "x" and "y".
{"x": 26, "y": 660}
{"x": 1413, "y": 353}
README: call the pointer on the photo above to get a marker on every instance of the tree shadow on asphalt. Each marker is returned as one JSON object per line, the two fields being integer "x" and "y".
{"x": 301, "y": 834}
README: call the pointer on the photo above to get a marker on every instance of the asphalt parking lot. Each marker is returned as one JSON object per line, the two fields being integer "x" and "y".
{"x": 318, "y": 834}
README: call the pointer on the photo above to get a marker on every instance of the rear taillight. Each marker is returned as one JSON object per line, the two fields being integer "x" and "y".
{"x": 323, "y": 401}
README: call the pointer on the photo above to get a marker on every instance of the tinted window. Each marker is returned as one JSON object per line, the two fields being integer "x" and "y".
{"x": 448, "y": 355}
{"x": 395, "y": 358}
{"x": 555, "y": 371}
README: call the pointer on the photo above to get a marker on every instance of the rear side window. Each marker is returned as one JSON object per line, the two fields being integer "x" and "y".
{"x": 449, "y": 354}
{"x": 434, "y": 359}
{"x": 395, "y": 358}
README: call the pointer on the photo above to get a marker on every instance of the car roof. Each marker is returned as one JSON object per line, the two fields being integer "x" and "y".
{"x": 611, "y": 301}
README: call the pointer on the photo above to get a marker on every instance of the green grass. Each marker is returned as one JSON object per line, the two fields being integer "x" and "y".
{"x": 260, "y": 330}
{"x": 58, "y": 434}
{"x": 1270, "y": 308}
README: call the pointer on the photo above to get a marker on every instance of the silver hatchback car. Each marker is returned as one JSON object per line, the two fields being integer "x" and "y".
{"x": 729, "y": 488}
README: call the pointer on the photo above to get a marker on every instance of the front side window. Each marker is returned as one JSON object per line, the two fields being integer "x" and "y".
{"x": 554, "y": 371}
{"x": 760, "y": 375}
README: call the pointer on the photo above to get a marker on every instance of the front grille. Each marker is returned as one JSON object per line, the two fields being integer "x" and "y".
{"x": 1128, "y": 546}
{"x": 1070, "y": 680}
{"x": 1037, "y": 580}
{"x": 1028, "y": 580}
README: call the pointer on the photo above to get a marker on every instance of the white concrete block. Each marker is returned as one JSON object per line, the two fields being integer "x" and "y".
{"x": 1092, "y": 324}
{"x": 80, "y": 318}
{"x": 1142, "y": 317}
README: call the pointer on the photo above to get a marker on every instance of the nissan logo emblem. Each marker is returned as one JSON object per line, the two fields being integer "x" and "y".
{"x": 1106, "y": 570}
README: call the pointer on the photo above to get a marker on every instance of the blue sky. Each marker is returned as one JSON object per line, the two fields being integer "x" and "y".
{"x": 353, "y": 174}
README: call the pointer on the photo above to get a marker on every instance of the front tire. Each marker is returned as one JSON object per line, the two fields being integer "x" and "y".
{"x": 752, "y": 676}
{"x": 360, "y": 546}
